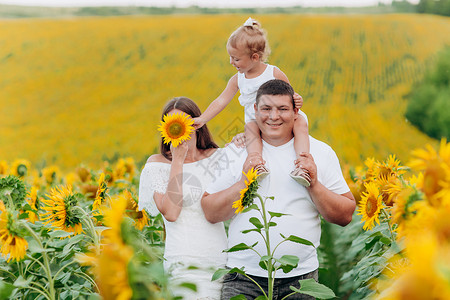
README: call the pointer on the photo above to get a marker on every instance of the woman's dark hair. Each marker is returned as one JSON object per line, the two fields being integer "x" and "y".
{"x": 204, "y": 138}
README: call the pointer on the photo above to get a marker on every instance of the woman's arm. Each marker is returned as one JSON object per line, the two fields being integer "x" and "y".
{"x": 171, "y": 203}
{"x": 219, "y": 103}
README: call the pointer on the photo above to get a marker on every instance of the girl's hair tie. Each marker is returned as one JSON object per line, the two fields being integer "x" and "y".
{"x": 249, "y": 22}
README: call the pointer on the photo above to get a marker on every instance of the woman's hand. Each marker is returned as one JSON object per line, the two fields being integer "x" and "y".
{"x": 179, "y": 153}
{"x": 238, "y": 140}
{"x": 298, "y": 100}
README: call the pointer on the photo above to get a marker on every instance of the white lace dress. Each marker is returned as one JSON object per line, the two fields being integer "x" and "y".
{"x": 191, "y": 240}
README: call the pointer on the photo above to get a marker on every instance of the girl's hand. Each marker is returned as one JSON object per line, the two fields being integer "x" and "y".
{"x": 298, "y": 100}
{"x": 238, "y": 140}
{"x": 179, "y": 153}
{"x": 198, "y": 122}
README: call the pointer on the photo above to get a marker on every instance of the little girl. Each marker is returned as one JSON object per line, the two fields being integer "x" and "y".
{"x": 248, "y": 49}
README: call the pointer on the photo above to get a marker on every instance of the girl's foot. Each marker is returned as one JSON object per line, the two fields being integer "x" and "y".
{"x": 301, "y": 176}
{"x": 262, "y": 171}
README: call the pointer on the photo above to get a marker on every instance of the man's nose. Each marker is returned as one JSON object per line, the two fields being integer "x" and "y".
{"x": 274, "y": 114}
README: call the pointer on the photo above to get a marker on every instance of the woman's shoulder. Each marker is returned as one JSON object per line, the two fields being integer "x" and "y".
{"x": 157, "y": 158}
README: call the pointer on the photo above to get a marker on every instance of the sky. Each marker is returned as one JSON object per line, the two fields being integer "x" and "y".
{"x": 202, "y": 3}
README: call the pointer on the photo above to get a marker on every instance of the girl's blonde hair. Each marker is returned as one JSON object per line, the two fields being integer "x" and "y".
{"x": 252, "y": 37}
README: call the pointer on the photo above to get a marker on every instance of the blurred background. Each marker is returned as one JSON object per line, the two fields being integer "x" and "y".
{"x": 85, "y": 81}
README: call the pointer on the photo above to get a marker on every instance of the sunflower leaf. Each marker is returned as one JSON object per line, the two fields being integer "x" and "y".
{"x": 276, "y": 214}
{"x": 238, "y": 247}
{"x": 299, "y": 240}
{"x": 249, "y": 208}
{"x": 255, "y": 221}
{"x": 311, "y": 287}
{"x": 250, "y": 230}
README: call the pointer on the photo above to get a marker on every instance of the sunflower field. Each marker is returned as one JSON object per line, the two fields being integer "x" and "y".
{"x": 77, "y": 90}
{"x": 81, "y": 100}
{"x": 63, "y": 234}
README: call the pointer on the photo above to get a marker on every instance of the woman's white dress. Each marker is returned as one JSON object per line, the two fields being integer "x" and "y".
{"x": 191, "y": 240}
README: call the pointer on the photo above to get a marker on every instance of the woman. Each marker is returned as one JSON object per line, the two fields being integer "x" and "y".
{"x": 173, "y": 183}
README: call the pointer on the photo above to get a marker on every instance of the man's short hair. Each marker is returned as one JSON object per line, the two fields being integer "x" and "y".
{"x": 275, "y": 87}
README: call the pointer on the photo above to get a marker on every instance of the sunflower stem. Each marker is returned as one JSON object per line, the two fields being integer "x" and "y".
{"x": 389, "y": 224}
{"x": 52, "y": 294}
{"x": 88, "y": 221}
{"x": 270, "y": 279}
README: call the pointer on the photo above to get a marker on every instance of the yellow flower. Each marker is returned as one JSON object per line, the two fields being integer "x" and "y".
{"x": 11, "y": 243}
{"x": 20, "y": 167}
{"x": 3, "y": 167}
{"x": 100, "y": 195}
{"x": 176, "y": 128}
{"x": 60, "y": 210}
{"x": 140, "y": 218}
{"x": 83, "y": 173}
{"x": 32, "y": 201}
{"x": 51, "y": 174}
{"x": 370, "y": 206}
{"x": 434, "y": 166}
{"x": 113, "y": 217}
{"x": 389, "y": 187}
{"x": 248, "y": 193}
{"x": 391, "y": 167}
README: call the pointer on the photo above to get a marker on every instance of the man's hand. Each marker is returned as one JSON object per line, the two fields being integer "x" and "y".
{"x": 306, "y": 162}
{"x": 238, "y": 140}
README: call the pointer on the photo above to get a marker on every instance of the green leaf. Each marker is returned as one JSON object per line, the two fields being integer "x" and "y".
{"x": 189, "y": 285}
{"x": 222, "y": 272}
{"x": 314, "y": 289}
{"x": 264, "y": 261}
{"x": 238, "y": 247}
{"x": 5, "y": 289}
{"x": 21, "y": 282}
{"x": 288, "y": 262}
{"x": 34, "y": 247}
{"x": 250, "y": 230}
{"x": 256, "y": 222}
{"x": 272, "y": 224}
{"x": 238, "y": 297}
{"x": 261, "y": 298}
{"x": 276, "y": 214}
{"x": 60, "y": 233}
{"x": 298, "y": 240}
{"x": 251, "y": 207}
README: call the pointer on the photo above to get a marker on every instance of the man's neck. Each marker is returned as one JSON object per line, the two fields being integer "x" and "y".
{"x": 277, "y": 142}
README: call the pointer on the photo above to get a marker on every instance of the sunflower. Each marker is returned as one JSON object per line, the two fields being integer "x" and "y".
{"x": 51, "y": 174}
{"x": 248, "y": 193}
{"x": 140, "y": 217}
{"x": 176, "y": 128}
{"x": 60, "y": 210}
{"x": 100, "y": 195}
{"x": 83, "y": 173}
{"x": 11, "y": 243}
{"x": 113, "y": 218}
{"x": 370, "y": 206}
{"x": 33, "y": 202}
{"x": 434, "y": 166}
{"x": 3, "y": 167}
{"x": 389, "y": 187}
{"x": 20, "y": 167}
{"x": 391, "y": 167}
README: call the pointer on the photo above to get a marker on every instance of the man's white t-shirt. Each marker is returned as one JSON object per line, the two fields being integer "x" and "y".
{"x": 290, "y": 198}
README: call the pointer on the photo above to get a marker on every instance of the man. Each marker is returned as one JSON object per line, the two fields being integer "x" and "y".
{"x": 328, "y": 195}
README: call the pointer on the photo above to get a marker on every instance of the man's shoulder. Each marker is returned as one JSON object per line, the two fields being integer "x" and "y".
{"x": 319, "y": 146}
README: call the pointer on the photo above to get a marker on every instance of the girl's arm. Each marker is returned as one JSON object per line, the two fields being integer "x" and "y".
{"x": 219, "y": 103}
{"x": 170, "y": 203}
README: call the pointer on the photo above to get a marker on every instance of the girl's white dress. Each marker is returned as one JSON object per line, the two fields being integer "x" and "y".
{"x": 193, "y": 246}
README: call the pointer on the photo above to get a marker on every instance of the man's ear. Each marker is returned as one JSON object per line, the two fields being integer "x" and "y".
{"x": 296, "y": 112}
{"x": 255, "y": 106}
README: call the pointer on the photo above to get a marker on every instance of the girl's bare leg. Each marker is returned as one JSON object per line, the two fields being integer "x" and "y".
{"x": 301, "y": 144}
{"x": 254, "y": 144}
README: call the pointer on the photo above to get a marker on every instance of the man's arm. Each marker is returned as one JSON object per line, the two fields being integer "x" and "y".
{"x": 334, "y": 208}
{"x": 218, "y": 206}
